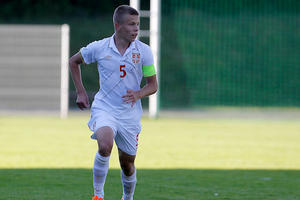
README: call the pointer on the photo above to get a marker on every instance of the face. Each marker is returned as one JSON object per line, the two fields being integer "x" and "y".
{"x": 129, "y": 28}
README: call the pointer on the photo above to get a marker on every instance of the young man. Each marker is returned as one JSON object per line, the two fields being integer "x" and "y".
{"x": 116, "y": 110}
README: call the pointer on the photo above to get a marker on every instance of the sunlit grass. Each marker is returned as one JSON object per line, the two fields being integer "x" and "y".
{"x": 49, "y": 142}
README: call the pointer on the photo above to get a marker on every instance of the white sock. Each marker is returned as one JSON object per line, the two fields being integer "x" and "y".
{"x": 100, "y": 170}
{"x": 129, "y": 183}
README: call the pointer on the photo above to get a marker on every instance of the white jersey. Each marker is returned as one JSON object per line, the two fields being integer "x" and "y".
{"x": 118, "y": 74}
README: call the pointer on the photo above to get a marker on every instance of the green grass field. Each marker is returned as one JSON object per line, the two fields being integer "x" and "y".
{"x": 194, "y": 159}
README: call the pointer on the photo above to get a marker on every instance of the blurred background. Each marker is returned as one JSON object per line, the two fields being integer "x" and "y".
{"x": 213, "y": 53}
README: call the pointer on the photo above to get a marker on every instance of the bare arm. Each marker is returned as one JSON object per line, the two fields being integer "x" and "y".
{"x": 82, "y": 97}
{"x": 150, "y": 88}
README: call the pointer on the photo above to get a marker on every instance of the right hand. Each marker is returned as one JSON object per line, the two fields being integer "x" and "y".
{"x": 82, "y": 101}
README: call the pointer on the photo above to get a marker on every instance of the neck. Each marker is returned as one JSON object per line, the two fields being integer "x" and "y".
{"x": 121, "y": 44}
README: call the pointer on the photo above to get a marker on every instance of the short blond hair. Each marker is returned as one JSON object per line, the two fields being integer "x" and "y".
{"x": 121, "y": 10}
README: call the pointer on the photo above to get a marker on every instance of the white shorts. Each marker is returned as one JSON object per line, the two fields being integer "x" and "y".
{"x": 125, "y": 133}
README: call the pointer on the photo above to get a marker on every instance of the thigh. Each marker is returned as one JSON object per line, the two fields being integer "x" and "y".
{"x": 105, "y": 139}
{"x": 126, "y": 163}
{"x": 100, "y": 119}
{"x": 105, "y": 135}
{"x": 125, "y": 158}
{"x": 104, "y": 127}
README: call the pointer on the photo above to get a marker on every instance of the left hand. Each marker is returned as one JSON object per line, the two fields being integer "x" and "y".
{"x": 131, "y": 97}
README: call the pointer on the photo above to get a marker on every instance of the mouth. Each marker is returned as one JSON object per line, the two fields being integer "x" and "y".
{"x": 134, "y": 35}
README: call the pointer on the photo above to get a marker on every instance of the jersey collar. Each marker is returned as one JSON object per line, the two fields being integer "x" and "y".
{"x": 112, "y": 45}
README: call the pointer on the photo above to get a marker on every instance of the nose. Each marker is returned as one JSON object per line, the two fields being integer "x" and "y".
{"x": 136, "y": 28}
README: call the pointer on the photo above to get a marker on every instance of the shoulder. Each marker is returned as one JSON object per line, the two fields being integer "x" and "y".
{"x": 144, "y": 48}
{"x": 91, "y": 52}
{"x": 146, "y": 53}
{"x": 99, "y": 43}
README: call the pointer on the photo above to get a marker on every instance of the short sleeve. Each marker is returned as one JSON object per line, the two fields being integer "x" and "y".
{"x": 148, "y": 56}
{"x": 148, "y": 63}
{"x": 88, "y": 53}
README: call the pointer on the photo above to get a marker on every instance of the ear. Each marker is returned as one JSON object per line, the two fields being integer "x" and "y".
{"x": 117, "y": 26}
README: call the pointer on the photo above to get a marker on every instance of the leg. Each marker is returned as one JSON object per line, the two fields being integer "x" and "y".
{"x": 105, "y": 139}
{"x": 128, "y": 174}
{"x": 105, "y": 136}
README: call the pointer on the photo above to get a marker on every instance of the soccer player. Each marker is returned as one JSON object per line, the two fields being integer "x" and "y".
{"x": 122, "y": 62}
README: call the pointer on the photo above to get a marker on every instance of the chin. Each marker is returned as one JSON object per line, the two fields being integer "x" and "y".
{"x": 133, "y": 38}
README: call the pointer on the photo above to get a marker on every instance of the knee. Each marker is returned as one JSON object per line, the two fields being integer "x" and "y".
{"x": 105, "y": 150}
{"x": 128, "y": 168}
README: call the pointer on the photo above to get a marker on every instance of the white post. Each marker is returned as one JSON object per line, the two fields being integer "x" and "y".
{"x": 64, "y": 90}
{"x": 155, "y": 16}
{"x": 135, "y": 4}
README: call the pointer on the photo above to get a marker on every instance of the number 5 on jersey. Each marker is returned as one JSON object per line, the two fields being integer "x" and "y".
{"x": 122, "y": 71}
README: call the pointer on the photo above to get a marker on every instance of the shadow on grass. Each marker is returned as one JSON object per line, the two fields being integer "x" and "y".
{"x": 158, "y": 184}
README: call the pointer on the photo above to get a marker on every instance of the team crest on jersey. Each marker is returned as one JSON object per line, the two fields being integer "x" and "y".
{"x": 136, "y": 57}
